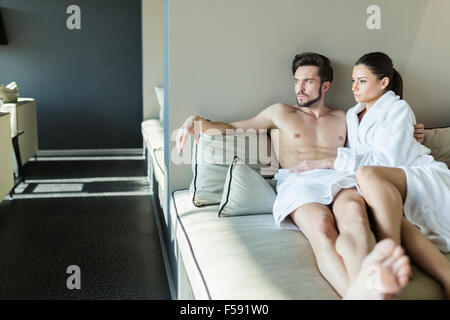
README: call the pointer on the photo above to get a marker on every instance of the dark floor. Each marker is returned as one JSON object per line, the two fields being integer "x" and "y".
{"x": 113, "y": 238}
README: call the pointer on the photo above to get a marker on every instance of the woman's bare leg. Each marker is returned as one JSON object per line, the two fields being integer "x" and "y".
{"x": 381, "y": 186}
{"x": 355, "y": 239}
{"x": 425, "y": 255}
{"x": 384, "y": 190}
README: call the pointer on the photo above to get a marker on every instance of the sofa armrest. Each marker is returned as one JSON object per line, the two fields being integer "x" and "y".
{"x": 24, "y": 118}
{"x": 6, "y": 156}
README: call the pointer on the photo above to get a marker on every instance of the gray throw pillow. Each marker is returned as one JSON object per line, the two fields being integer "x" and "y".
{"x": 246, "y": 192}
{"x": 159, "y": 91}
{"x": 213, "y": 155}
{"x": 438, "y": 141}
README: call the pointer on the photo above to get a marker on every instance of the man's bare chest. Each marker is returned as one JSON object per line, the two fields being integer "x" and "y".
{"x": 296, "y": 129}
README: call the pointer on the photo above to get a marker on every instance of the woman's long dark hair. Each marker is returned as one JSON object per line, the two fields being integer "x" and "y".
{"x": 381, "y": 66}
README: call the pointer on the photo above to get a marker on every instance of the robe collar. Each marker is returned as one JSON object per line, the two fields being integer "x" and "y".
{"x": 372, "y": 116}
{"x": 384, "y": 100}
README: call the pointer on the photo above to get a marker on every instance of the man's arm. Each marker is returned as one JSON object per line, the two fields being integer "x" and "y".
{"x": 195, "y": 125}
{"x": 419, "y": 132}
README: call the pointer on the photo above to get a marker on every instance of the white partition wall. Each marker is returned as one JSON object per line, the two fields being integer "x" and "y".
{"x": 227, "y": 60}
{"x": 152, "y": 54}
{"x": 427, "y": 74}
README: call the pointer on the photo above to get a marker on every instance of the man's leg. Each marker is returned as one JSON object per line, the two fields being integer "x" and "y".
{"x": 423, "y": 253}
{"x": 355, "y": 239}
{"x": 317, "y": 224}
{"x": 384, "y": 273}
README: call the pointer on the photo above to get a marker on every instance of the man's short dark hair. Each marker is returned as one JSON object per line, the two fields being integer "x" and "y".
{"x": 325, "y": 72}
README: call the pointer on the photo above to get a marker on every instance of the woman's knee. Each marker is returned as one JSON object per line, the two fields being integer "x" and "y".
{"x": 366, "y": 175}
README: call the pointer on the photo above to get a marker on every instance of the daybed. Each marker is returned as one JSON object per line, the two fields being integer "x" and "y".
{"x": 247, "y": 257}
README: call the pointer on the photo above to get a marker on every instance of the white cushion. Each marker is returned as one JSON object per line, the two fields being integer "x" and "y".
{"x": 245, "y": 192}
{"x": 438, "y": 140}
{"x": 159, "y": 91}
{"x": 212, "y": 156}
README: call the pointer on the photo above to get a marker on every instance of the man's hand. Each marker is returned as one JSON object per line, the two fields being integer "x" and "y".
{"x": 419, "y": 132}
{"x": 185, "y": 131}
{"x": 307, "y": 165}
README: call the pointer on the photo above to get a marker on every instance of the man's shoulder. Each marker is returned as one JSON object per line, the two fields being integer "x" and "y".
{"x": 279, "y": 108}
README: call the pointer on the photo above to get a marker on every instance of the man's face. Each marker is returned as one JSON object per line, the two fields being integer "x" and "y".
{"x": 308, "y": 88}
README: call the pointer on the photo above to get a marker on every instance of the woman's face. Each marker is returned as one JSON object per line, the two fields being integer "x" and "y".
{"x": 365, "y": 85}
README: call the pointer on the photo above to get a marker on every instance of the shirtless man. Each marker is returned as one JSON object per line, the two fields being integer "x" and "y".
{"x": 309, "y": 135}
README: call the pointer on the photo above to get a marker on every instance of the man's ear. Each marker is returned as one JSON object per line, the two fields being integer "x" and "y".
{"x": 325, "y": 86}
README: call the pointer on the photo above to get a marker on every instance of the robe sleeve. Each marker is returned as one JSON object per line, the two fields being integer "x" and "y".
{"x": 393, "y": 143}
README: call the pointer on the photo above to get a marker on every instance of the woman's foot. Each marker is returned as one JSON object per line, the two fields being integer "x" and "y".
{"x": 384, "y": 273}
{"x": 447, "y": 290}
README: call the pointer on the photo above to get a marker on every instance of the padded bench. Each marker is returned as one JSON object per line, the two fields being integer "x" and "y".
{"x": 153, "y": 134}
{"x": 249, "y": 257}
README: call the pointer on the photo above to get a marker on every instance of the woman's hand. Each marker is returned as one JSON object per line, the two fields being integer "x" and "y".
{"x": 419, "y": 132}
{"x": 306, "y": 165}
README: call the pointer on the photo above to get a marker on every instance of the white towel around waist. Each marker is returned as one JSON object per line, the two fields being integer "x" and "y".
{"x": 297, "y": 189}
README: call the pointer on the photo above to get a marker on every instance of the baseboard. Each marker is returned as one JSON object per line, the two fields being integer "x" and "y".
{"x": 90, "y": 152}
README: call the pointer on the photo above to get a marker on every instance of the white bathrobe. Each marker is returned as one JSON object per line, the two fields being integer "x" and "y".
{"x": 385, "y": 138}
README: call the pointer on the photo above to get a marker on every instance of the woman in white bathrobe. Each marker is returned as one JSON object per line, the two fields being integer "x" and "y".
{"x": 407, "y": 190}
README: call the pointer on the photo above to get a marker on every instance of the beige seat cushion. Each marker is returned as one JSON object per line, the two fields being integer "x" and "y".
{"x": 249, "y": 257}
{"x": 158, "y": 166}
{"x": 153, "y": 133}
{"x": 244, "y": 257}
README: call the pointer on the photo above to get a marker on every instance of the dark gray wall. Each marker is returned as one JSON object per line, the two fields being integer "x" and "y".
{"x": 87, "y": 83}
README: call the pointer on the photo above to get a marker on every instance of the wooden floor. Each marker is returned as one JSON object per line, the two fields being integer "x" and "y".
{"x": 103, "y": 226}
